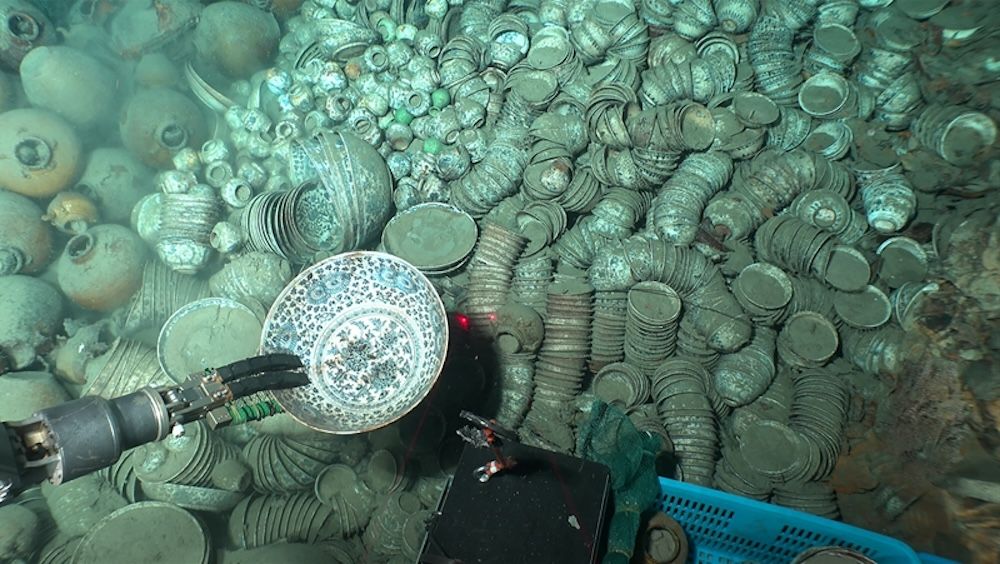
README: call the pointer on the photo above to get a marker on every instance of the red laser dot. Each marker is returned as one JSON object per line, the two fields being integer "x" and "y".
{"x": 463, "y": 321}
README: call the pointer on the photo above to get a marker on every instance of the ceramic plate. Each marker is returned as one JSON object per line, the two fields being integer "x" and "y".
{"x": 373, "y": 334}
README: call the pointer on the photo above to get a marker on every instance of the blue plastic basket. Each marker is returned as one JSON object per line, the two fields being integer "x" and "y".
{"x": 723, "y": 528}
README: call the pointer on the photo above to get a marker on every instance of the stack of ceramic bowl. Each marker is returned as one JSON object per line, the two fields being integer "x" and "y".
{"x": 541, "y": 223}
{"x": 774, "y": 405}
{"x": 868, "y": 309}
{"x": 693, "y": 345}
{"x": 734, "y": 475}
{"x": 559, "y": 368}
{"x": 791, "y": 129}
{"x": 808, "y": 295}
{"x": 551, "y": 49}
{"x": 282, "y": 465}
{"x": 490, "y": 273}
{"x": 163, "y": 291}
{"x": 794, "y": 245}
{"x": 908, "y": 299}
{"x": 647, "y": 420}
{"x": 532, "y": 276}
{"x": 777, "y": 69}
{"x": 549, "y": 171}
{"x": 775, "y": 451}
{"x": 515, "y": 382}
{"x": 578, "y": 246}
{"x": 605, "y": 115}
{"x": 764, "y": 290}
{"x": 808, "y": 340}
{"x": 676, "y": 211}
{"x": 382, "y": 535}
{"x": 194, "y": 498}
{"x": 828, "y": 96}
{"x": 608, "y": 337}
{"x": 273, "y": 222}
{"x": 744, "y": 375}
{"x": 414, "y": 531}
{"x": 619, "y": 211}
{"x": 819, "y": 413}
{"x": 252, "y": 275}
{"x": 694, "y": 18}
{"x": 651, "y": 325}
{"x": 889, "y": 200}
{"x": 903, "y": 261}
{"x": 125, "y": 368}
{"x": 682, "y": 401}
{"x": 677, "y": 127}
{"x": 584, "y": 189}
{"x": 260, "y": 520}
{"x": 123, "y": 477}
{"x": 436, "y": 238}
{"x": 829, "y": 211}
{"x": 187, "y": 459}
{"x": 835, "y": 177}
{"x": 956, "y": 133}
{"x": 59, "y": 550}
{"x": 877, "y": 351}
{"x": 339, "y": 487}
{"x": 145, "y": 522}
{"x": 621, "y": 385}
{"x": 834, "y": 47}
{"x": 812, "y": 497}
{"x": 830, "y": 139}
{"x": 610, "y": 28}
{"x": 493, "y": 178}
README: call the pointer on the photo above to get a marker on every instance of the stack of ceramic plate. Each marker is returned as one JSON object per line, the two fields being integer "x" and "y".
{"x": 123, "y": 477}
{"x": 686, "y": 411}
{"x": 146, "y": 523}
{"x": 283, "y": 465}
{"x": 608, "y": 339}
{"x": 372, "y": 334}
{"x": 382, "y": 535}
{"x": 339, "y": 487}
{"x": 515, "y": 382}
{"x": 622, "y": 385}
{"x": 385, "y": 473}
{"x": 187, "y": 459}
{"x": 260, "y": 520}
{"x": 763, "y": 290}
{"x": 490, "y": 273}
{"x": 560, "y": 365}
{"x": 270, "y": 222}
{"x": 434, "y": 237}
{"x": 163, "y": 291}
{"x": 817, "y": 498}
{"x": 808, "y": 339}
{"x": 742, "y": 376}
{"x": 127, "y": 367}
{"x": 733, "y": 475}
{"x": 819, "y": 412}
{"x": 651, "y": 325}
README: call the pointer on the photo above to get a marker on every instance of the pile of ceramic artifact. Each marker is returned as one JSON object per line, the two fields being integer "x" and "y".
{"x": 699, "y": 211}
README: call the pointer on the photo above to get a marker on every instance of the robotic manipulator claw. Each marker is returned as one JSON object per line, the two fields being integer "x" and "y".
{"x": 487, "y": 433}
{"x": 81, "y": 436}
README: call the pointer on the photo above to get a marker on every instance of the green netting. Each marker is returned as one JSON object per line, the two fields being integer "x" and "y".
{"x": 609, "y": 437}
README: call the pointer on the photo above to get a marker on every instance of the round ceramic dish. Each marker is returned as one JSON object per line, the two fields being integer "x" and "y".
{"x": 372, "y": 333}
{"x": 207, "y": 333}
{"x": 146, "y": 521}
{"x": 433, "y": 237}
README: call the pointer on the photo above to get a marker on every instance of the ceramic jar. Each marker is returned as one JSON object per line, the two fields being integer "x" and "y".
{"x": 89, "y": 102}
{"x": 101, "y": 268}
{"x": 31, "y": 315}
{"x": 238, "y": 38}
{"x": 25, "y": 240}
{"x": 25, "y": 27}
{"x": 157, "y": 123}
{"x": 47, "y": 152}
{"x": 115, "y": 180}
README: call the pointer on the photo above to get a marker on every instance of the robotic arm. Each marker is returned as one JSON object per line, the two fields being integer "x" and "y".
{"x": 84, "y": 435}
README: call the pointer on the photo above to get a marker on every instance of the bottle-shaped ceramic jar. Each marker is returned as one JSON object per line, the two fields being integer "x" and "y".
{"x": 101, "y": 268}
{"x": 159, "y": 122}
{"x": 47, "y": 152}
